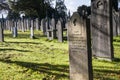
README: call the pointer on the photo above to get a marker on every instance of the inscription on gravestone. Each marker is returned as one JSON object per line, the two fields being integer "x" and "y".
{"x": 101, "y": 26}
{"x": 79, "y": 48}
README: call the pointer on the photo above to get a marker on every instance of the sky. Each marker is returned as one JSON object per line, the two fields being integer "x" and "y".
{"x": 72, "y": 5}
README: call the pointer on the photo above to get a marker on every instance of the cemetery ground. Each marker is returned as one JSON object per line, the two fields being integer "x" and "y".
{"x": 23, "y": 58}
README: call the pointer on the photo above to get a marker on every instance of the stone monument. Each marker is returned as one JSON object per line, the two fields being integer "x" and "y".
{"x": 101, "y": 29}
{"x": 80, "y": 48}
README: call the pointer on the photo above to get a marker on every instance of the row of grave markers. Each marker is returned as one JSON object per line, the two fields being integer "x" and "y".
{"x": 54, "y": 29}
{"x": 21, "y": 24}
{"x": 81, "y": 31}
{"x": 50, "y": 28}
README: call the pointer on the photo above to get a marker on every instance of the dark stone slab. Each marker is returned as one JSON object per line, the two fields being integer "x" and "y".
{"x": 101, "y": 26}
{"x": 79, "y": 48}
{"x": 1, "y": 32}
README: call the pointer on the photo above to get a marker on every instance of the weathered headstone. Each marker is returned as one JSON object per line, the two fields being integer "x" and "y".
{"x": 53, "y": 26}
{"x": 10, "y": 27}
{"x": 115, "y": 16}
{"x": 101, "y": 26}
{"x": 119, "y": 23}
{"x": 25, "y": 25}
{"x": 37, "y": 24}
{"x": 43, "y": 26}
{"x": 67, "y": 26}
{"x": 80, "y": 48}
{"x": 48, "y": 29}
{"x": 60, "y": 30}
{"x": 1, "y": 31}
{"x": 22, "y": 22}
{"x": 15, "y": 29}
{"x": 32, "y": 29}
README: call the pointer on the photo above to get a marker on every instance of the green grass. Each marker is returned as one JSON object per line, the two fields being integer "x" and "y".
{"x": 23, "y": 58}
{"x": 105, "y": 70}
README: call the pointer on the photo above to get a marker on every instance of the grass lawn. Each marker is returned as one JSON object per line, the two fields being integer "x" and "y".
{"x": 23, "y": 58}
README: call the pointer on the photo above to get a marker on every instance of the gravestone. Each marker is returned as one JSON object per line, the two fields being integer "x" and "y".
{"x": 18, "y": 27}
{"x": 115, "y": 16}
{"x": 32, "y": 29}
{"x": 1, "y": 31}
{"x": 54, "y": 30}
{"x": 10, "y": 25}
{"x": 28, "y": 25}
{"x": 49, "y": 29}
{"x": 22, "y": 22}
{"x": 101, "y": 26}
{"x": 79, "y": 48}
{"x": 67, "y": 26}
{"x": 25, "y": 24}
{"x": 119, "y": 24}
{"x": 15, "y": 29}
{"x": 43, "y": 26}
{"x": 37, "y": 23}
{"x": 60, "y": 30}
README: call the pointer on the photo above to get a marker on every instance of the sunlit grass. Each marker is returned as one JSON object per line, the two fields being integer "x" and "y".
{"x": 105, "y": 70}
{"x": 23, "y": 58}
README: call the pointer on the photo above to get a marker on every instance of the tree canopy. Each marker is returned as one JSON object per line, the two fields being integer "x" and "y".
{"x": 33, "y": 8}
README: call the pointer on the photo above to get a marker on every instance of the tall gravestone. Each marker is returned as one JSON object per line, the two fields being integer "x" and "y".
{"x": 79, "y": 48}
{"x": 48, "y": 29}
{"x": 101, "y": 26}
{"x": 60, "y": 30}
{"x": 1, "y": 31}
{"x": 27, "y": 24}
{"x": 32, "y": 29}
{"x": 53, "y": 26}
{"x": 119, "y": 23}
{"x": 37, "y": 23}
{"x": 115, "y": 16}
{"x": 22, "y": 22}
{"x": 15, "y": 28}
{"x": 43, "y": 26}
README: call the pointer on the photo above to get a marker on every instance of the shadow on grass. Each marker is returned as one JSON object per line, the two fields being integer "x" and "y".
{"x": 105, "y": 73}
{"x": 24, "y": 35}
{"x": 116, "y": 60}
{"x": 24, "y": 42}
{"x": 117, "y": 45}
{"x": 116, "y": 40}
{"x": 60, "y": 71}
{"x": 15, "y": 50}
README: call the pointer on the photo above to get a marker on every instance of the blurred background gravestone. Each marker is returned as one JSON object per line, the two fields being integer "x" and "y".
{"x": 101, "y": 29}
